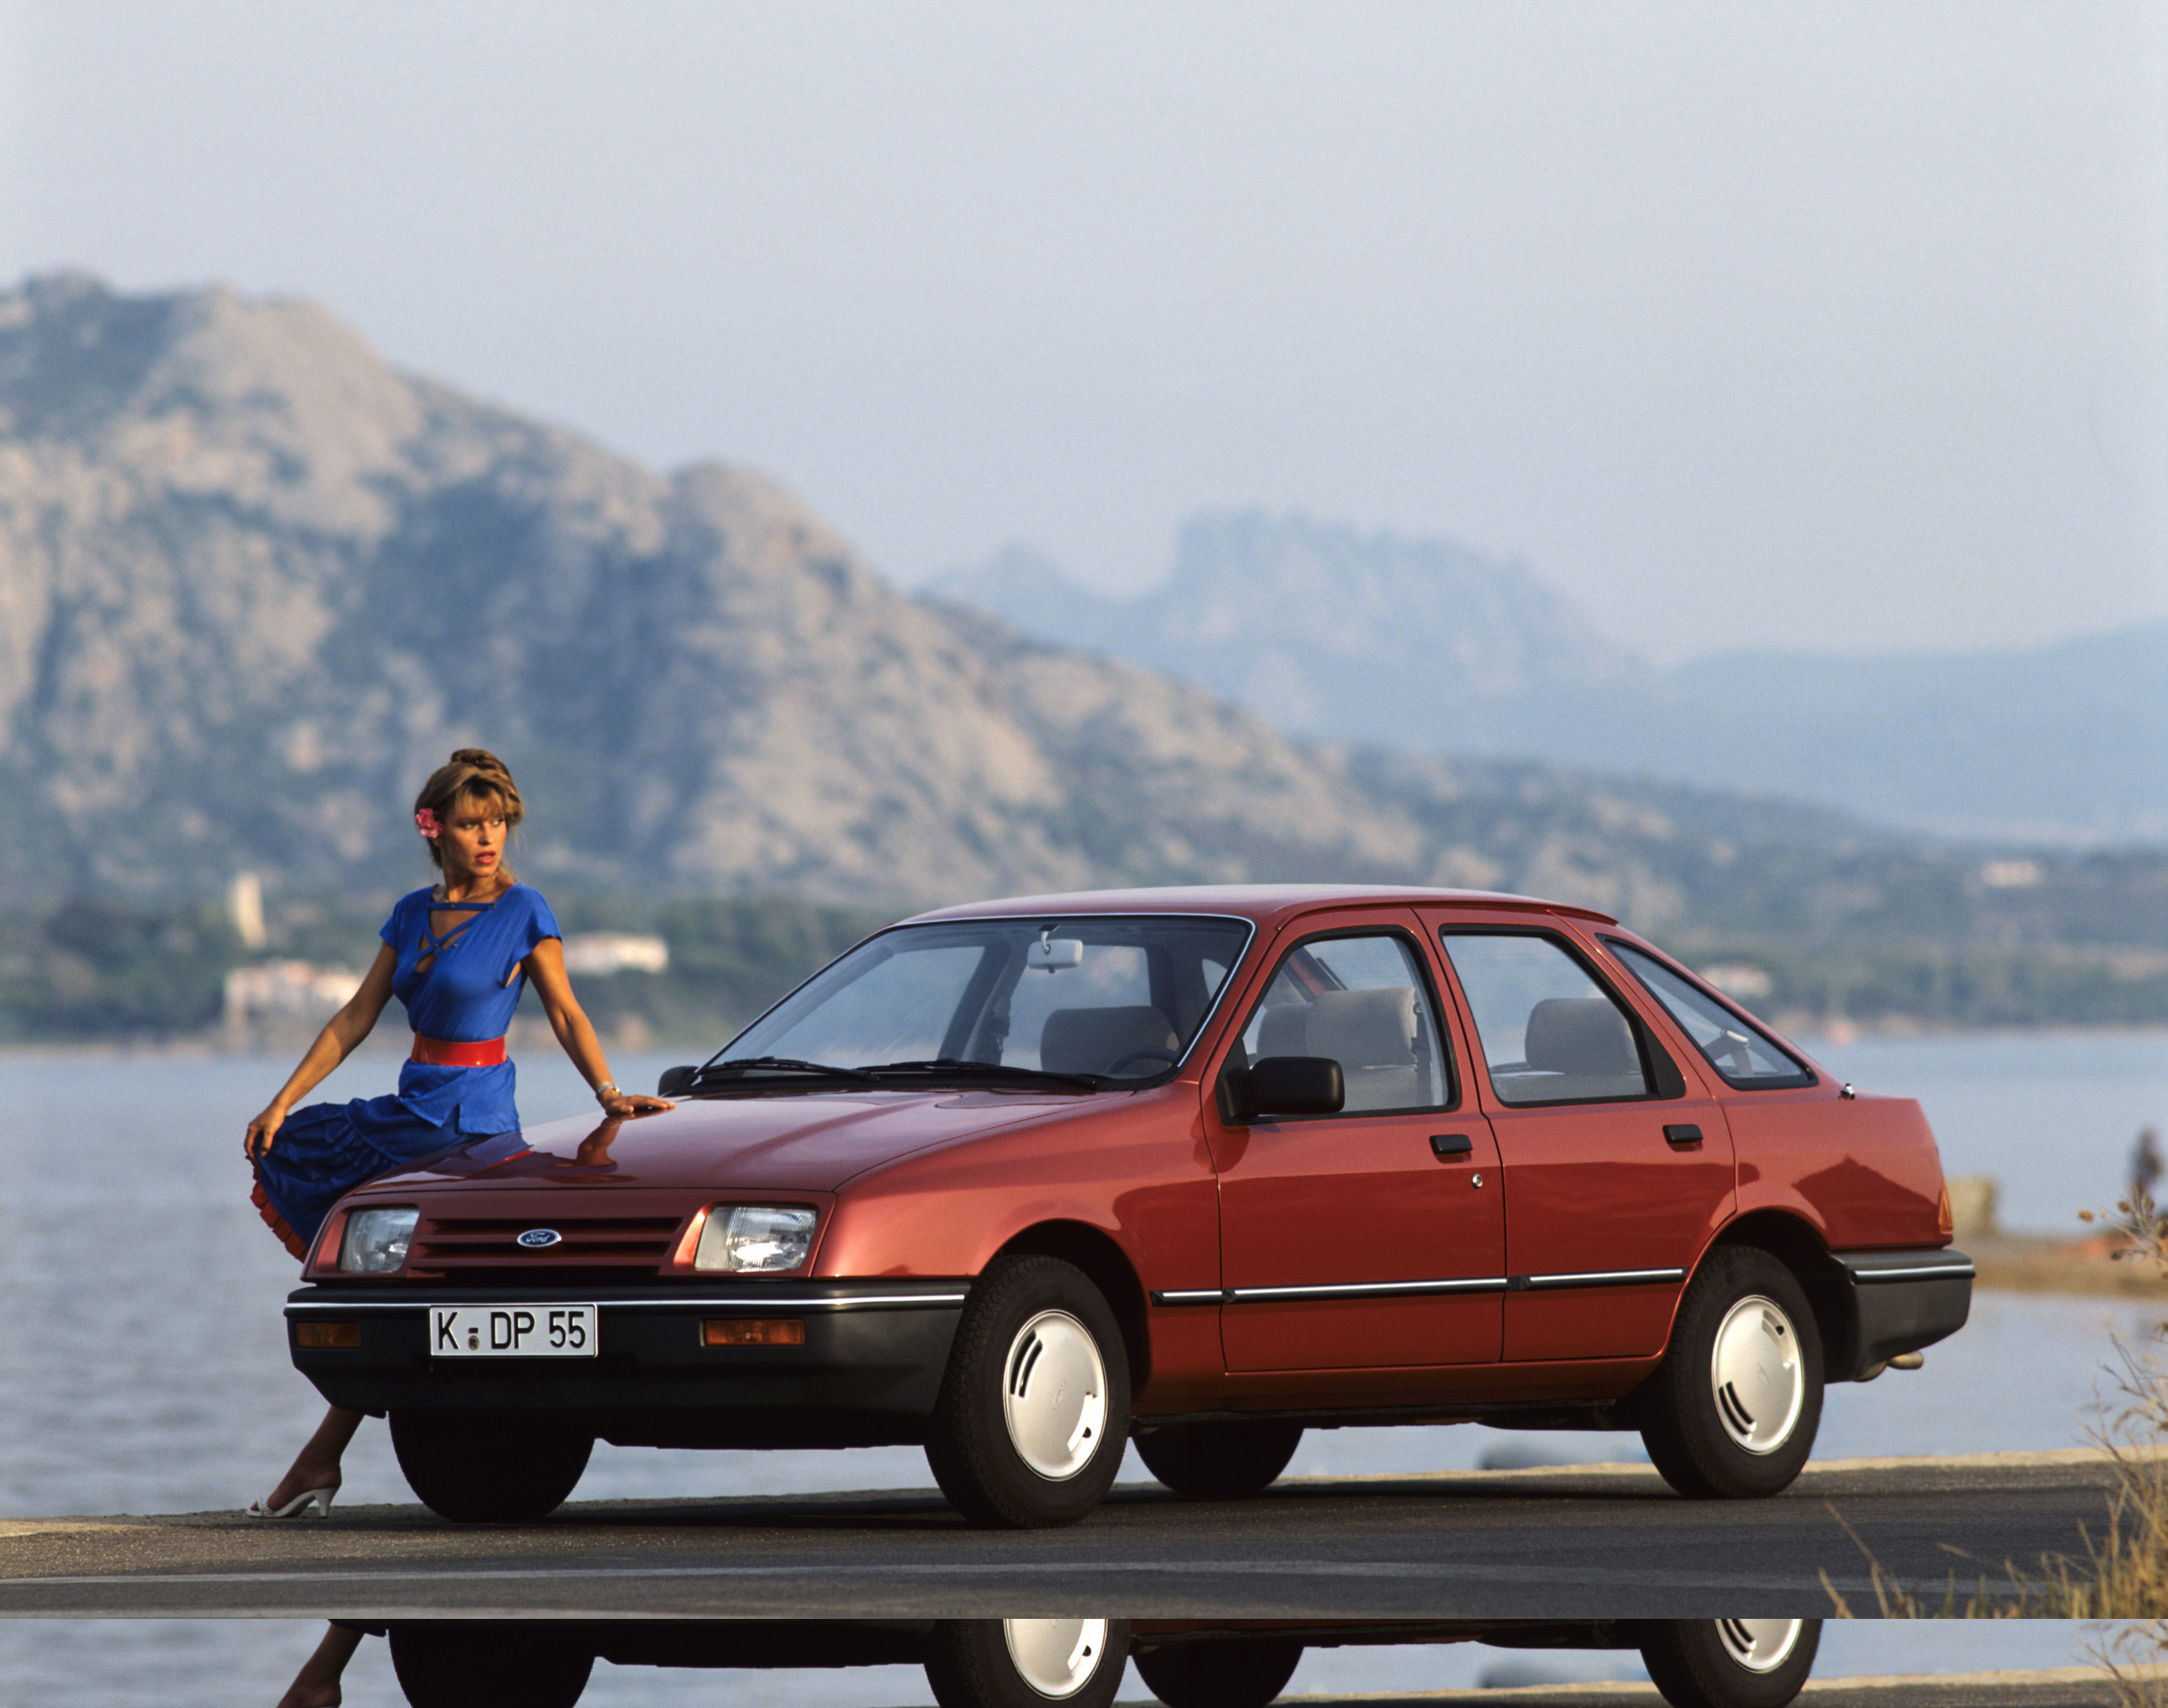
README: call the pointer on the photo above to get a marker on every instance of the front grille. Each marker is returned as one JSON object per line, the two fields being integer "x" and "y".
{"x": 462, "y": 1245}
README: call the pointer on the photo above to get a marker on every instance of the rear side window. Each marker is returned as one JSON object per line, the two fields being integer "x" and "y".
{"x": 1550, "y": 1034}
{"x": 1742, "y": 1053}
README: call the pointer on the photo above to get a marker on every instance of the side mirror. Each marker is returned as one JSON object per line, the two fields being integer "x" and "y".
{"x": 677, "y": 1082}
{"x": 1296, "y": 1085}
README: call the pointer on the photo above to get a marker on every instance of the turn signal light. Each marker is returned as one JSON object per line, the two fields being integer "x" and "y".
{"x": 1944, "y": 1221}
{"x": 323, "y": 1334}
{"x": 752, "y": 1331}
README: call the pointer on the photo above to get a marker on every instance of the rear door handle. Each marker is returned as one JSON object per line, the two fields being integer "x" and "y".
{"x": 1682, "y": 1136}
{"x": 1452, "y": 1145}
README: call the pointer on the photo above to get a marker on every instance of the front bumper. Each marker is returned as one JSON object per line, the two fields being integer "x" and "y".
{"x": 1896, "y": 1302}
{"x": 867, "y": 1375}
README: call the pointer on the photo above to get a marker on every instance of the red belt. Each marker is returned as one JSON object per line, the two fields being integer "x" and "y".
{"x": 439, "y": 1054}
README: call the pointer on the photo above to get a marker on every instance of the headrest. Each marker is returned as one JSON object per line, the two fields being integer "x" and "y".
{"x": 1580, "y": 1035}
{"x": 1091, "y": 1040}
{"x": 1286, "y": 1030}
{"x": 1364, "y": 1028}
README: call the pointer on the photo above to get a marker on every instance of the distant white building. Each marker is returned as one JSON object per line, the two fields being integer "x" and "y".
{"x": 1740, "y": 980}
{"x": 598, "y": 954}
{"x": 277, "y": 990}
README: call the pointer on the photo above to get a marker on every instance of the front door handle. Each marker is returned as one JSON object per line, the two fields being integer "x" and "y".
{"x": 1452, "y": 1146}
{"x": 1682, "y": 1136}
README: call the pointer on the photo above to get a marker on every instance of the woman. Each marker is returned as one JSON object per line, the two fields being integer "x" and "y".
{"x": 454, "y": 955}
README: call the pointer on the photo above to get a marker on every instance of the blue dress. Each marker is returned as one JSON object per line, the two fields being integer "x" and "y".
{"x": 465, "y": 995}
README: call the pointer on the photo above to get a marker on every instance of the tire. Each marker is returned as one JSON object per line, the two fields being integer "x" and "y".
{"x": 1033, "y": 1412}
{"x": 489, "y": 1467}
{"x": 457, "y": 1664}
{"x": 1219, "y": 1460}
{"x": 1731, "y": 1662}
{"x": 1027, "y": 1663}
{"x": 1731, "y": 1412}
{"x": 1233, "y": 1672}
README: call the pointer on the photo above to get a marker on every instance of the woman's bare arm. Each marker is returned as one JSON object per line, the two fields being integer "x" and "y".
{"x": 546, "y": 968}
{"x": 337, "y": 1041}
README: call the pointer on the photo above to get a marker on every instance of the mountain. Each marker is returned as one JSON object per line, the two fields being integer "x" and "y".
{"x": 255, "y": 584}
{"x": 1322, "y": 631}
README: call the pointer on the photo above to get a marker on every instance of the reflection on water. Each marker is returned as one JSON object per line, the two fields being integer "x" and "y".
{"x": 224, "y": 1664}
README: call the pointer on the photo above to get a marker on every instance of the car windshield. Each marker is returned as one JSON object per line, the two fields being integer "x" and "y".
{"x": 1092, "y": 998}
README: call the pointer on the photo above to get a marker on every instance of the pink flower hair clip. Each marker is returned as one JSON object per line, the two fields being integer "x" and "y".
{"x": 425, "y": 820}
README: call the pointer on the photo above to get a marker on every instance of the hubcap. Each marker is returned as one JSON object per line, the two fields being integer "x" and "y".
{"x": 1755, "y": 1373}
{"x": 1057, "y": 1658}
{"x": 1053, "y": 1396}
{"x": 1760, "y": 1645}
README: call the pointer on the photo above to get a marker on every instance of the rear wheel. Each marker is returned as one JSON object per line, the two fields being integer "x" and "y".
{"x": 1731, "y": 1662}
{"x": 1026, "y": 1663}
{"x": 457, "y": 1663}
{"x": 1228, "y": 1673}
{"x": 485, "y": 1468}
{"x": 1033, "y": 1412}
{"x": 1219, "y": 1460}
{"x": 1733, "y": 1408}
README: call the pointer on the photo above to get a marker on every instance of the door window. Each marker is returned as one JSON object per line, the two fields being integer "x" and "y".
{"x": 1549, "y": 1032}
{"x": 1362, "y": 1002}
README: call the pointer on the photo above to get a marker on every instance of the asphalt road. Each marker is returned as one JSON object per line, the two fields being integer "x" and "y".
{"x": 1579, "y": 1542}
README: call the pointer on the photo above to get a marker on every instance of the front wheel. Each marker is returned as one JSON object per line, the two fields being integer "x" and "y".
{"x": 457, "y": 1663}
{"x": 1219, "y": 1460}
{"x": 1733, "y": 1408}
{"x": 1731, "y": 1662}
{"x": 1033, "y": 1412}
{"x": 1026, "y": 1663}
{"x": 1224, "y": 1672}
{"x": 489, "y": 1467}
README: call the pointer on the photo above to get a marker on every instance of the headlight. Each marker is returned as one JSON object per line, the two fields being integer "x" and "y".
{"x": 375, "y": 1241}
{"x": 756, "y": 1237}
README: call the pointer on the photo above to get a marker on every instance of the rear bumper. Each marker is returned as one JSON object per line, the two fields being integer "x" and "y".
{"x": 1897, "y": 1302}
{"x": 867, "y": 1373}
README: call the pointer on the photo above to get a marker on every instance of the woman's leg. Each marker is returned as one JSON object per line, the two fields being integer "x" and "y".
{"x": 316, "y": 1686}
{"x": 317, "y": 1465}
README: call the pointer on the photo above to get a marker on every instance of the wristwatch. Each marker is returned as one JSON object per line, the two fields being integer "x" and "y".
{"x": 603, "y": 1094}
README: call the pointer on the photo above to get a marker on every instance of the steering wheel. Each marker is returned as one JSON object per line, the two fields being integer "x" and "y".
{"x": 1144, "y": 1054}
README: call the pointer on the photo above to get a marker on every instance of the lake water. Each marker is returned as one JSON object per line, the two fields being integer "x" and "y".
{"x": 143, "y": 1366}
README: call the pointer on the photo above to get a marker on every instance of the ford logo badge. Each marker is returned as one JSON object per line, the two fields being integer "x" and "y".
{"x": 536, "y": 1238}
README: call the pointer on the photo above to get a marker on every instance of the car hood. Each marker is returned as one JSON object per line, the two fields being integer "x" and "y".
{"x": 806, "y": 1142}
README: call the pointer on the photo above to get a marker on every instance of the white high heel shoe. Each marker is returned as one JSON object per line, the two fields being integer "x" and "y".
{"x": 297, "y": 1507}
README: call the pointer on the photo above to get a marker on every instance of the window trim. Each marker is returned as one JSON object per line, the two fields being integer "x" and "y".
{"x": 1412, "y": 943}
{"x": 1805, "y": 1077}
{"x": 1667, "y": 1082}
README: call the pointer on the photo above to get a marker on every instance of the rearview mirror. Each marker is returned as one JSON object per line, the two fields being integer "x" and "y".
{"x": 677, "y": 1082}
{"x": 1295, "y": 1085}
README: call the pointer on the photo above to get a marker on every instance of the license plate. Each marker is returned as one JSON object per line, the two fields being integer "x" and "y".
{"x": 512, "y": 1331}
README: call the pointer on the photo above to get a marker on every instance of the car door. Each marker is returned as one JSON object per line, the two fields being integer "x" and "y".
{"x": 1373, "y": 1237}
{"x": 1618, "y": 1167}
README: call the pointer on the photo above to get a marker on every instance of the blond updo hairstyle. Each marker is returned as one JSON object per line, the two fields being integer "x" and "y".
{"x": 472, "y": 779}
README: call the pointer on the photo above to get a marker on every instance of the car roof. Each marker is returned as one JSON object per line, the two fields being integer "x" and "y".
{"x": 1264, "y": 903}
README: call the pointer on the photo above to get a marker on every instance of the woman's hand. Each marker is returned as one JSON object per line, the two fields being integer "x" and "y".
{"x": 626, "y": 1103}
{"x": 262, "y": 1131}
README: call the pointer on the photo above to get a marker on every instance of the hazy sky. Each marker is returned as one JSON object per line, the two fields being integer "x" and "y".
{"x": 1829, "y": 325}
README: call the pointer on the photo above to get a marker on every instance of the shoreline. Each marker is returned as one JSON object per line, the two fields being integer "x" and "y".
{"x": 211, "y": 1045}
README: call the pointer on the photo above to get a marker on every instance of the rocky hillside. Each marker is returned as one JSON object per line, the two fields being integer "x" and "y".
{"x": 1319, "y": 629}
{"x": 255, "y": 582}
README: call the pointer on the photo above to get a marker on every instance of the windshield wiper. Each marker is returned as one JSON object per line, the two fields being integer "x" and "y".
{"x": 739, "y": 1066}
{"x": 948, "y": 1067}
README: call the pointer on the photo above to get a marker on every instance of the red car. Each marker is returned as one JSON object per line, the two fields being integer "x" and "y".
{"x": 1023, "y": 1180}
